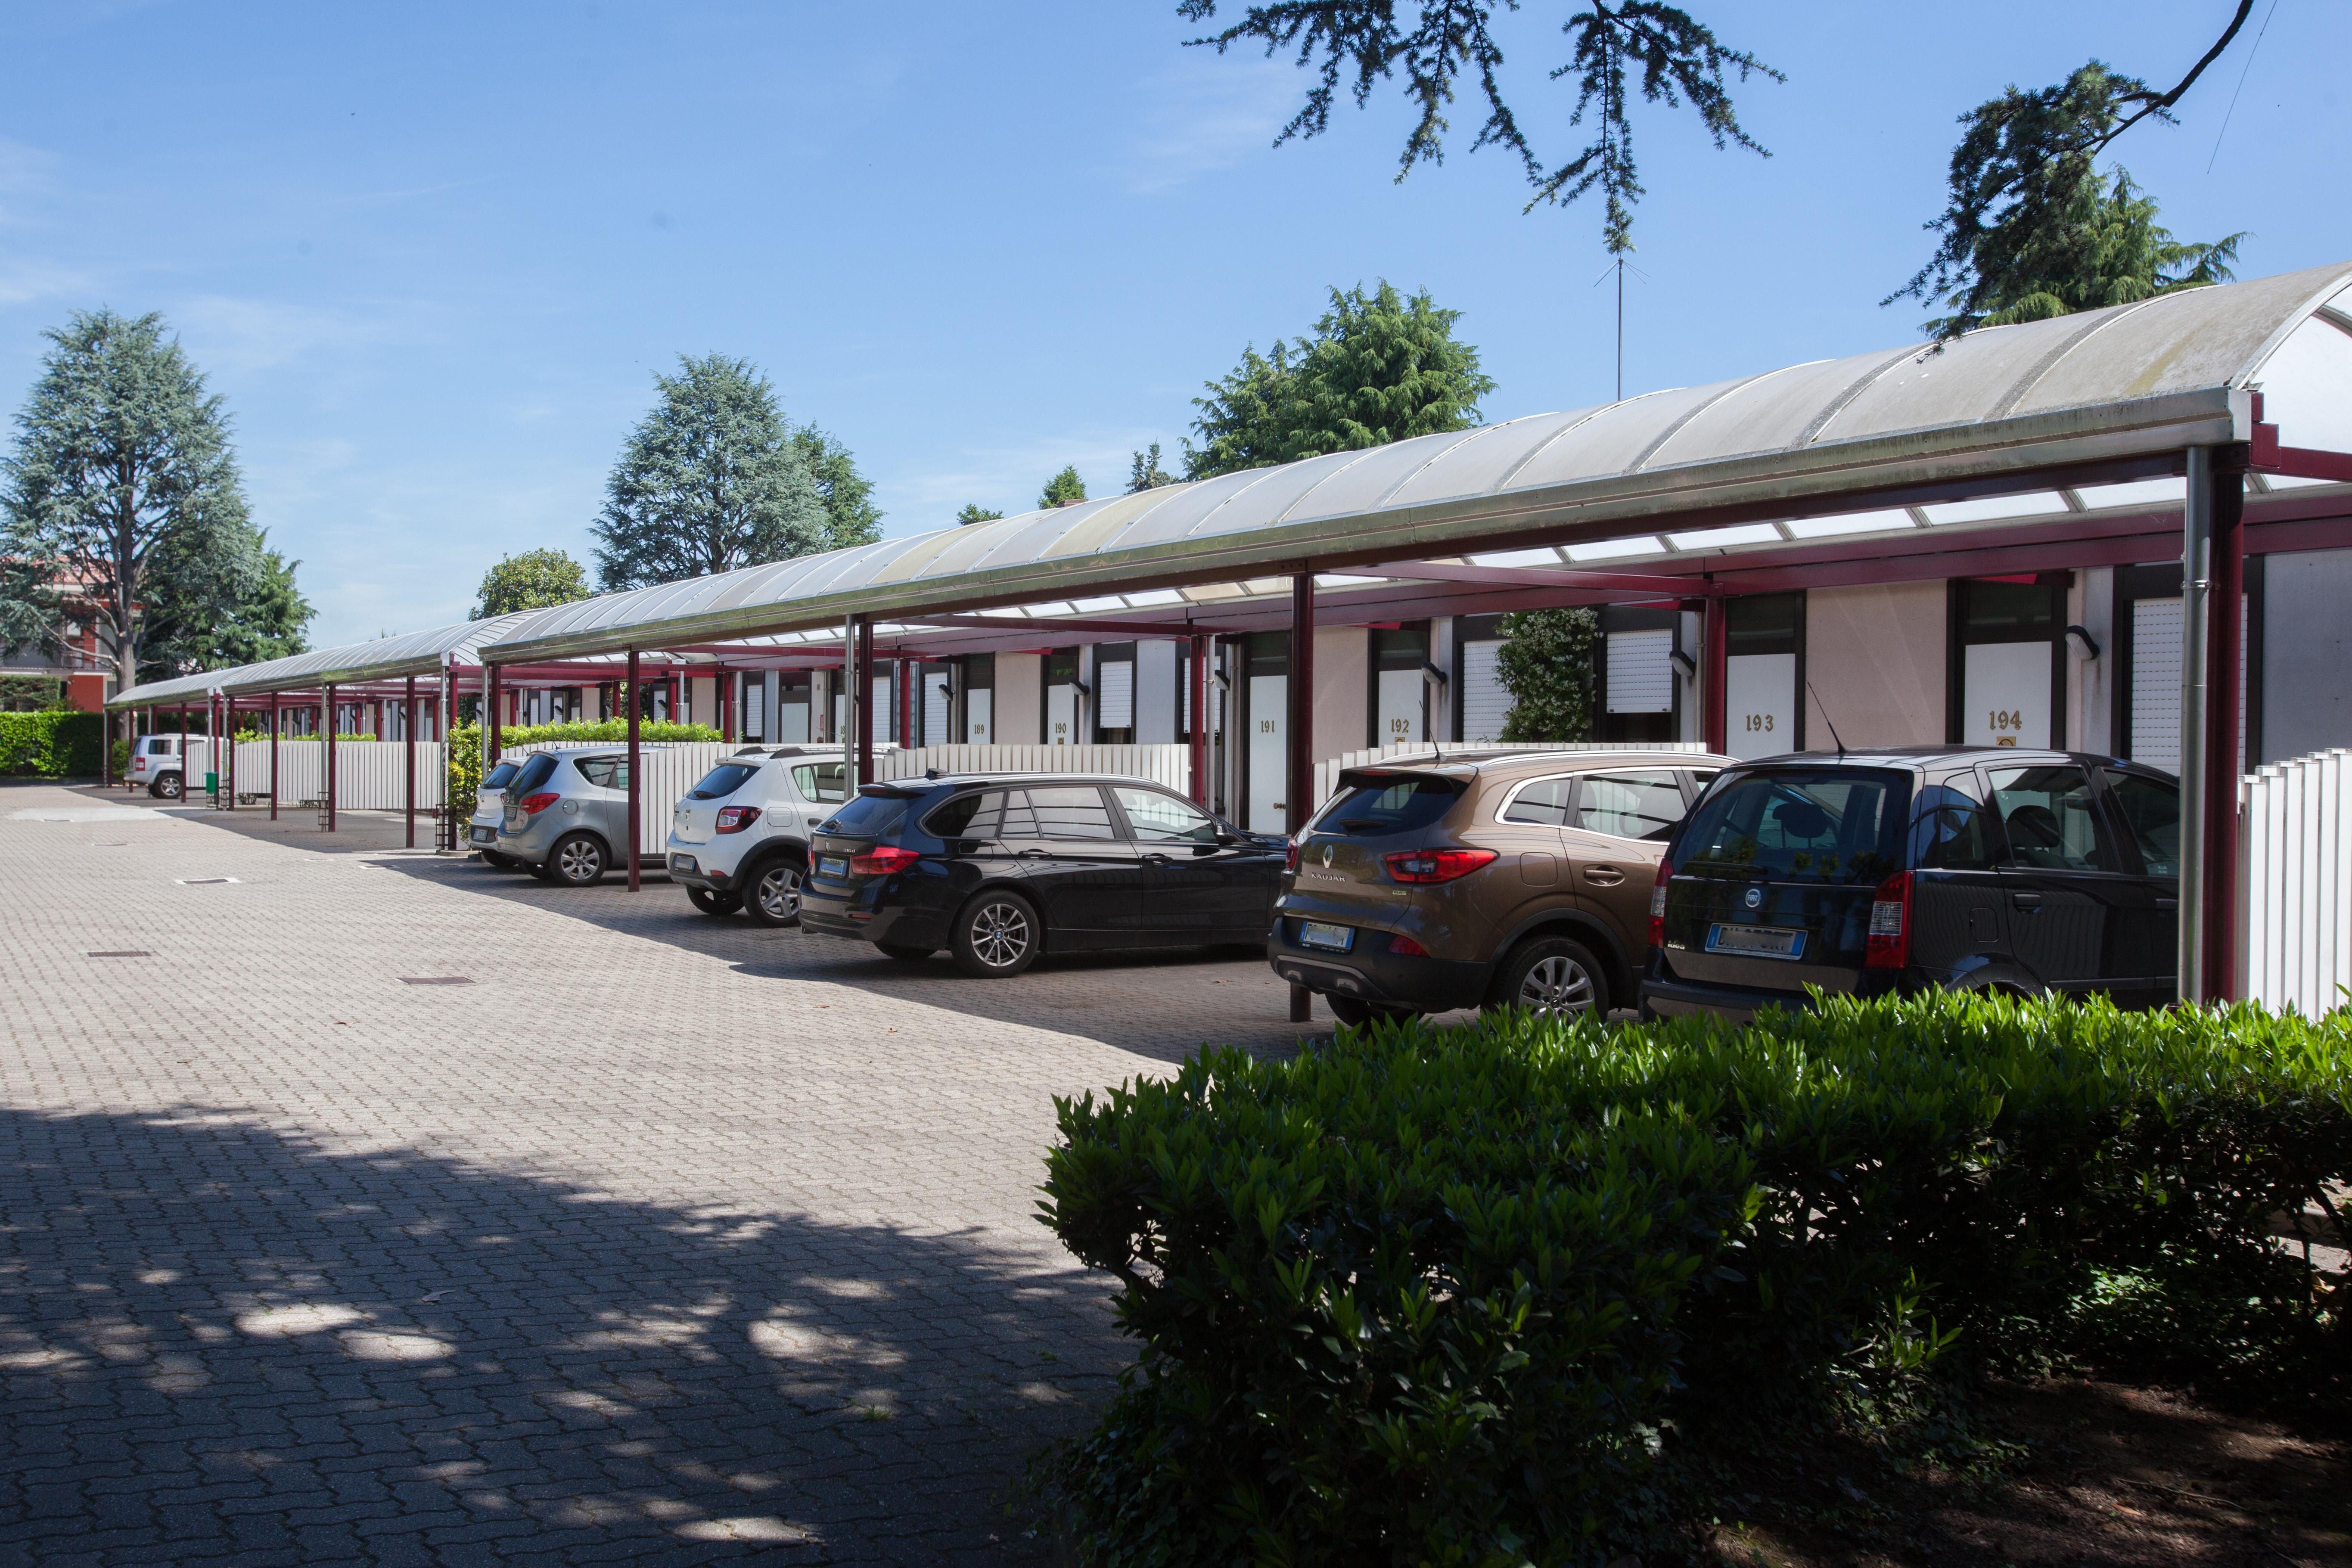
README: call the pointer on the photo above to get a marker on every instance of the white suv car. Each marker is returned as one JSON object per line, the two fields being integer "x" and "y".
{"x": 740, "y": 839}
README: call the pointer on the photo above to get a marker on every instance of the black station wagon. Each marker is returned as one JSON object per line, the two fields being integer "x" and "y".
{"x": 2029, "y": 872}
{"x": 1000, "y": 871}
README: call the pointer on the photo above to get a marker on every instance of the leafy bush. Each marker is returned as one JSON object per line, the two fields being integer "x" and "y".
{"x": 50, "y": 744}
{"x": 464, "y": 756}
{"x": 1431, "y": 1296}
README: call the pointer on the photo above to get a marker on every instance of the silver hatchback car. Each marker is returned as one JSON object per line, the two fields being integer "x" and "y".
{"x": 565, "y": 814}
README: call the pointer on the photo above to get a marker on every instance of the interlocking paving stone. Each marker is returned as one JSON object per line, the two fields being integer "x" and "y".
{"x": 669, "y": 1240}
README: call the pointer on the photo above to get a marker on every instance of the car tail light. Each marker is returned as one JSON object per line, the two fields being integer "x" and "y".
{"x": 1658, "y": 902}
{"x": 1290, "y": 856}
{"x": 882, "y": 859}
{"x": 1403, "y": 944}
{"x": 1889, "y": 944}
{"x": 1434, "y": 865}
{"x": 735, "y": 818}
{"x": 533, "y": 805}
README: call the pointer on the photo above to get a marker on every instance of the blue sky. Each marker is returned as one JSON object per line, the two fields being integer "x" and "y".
{"x": 432, "y": 254}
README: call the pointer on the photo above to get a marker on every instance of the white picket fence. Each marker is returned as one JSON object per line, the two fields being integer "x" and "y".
{"x": 2294, "y": 900}
{"x": 1327, "y": 774}
{"x": 368, "y": 773}
{"x": 1169, "y": 765}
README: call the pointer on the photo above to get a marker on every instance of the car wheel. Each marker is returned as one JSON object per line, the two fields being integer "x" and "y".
{"x": 166, "y": 787}
{"x": 577, "y": 861}
{"x": 904, "y": 951}
{"x": 1551, "y": 974}
{"x": 711, "y": 903}
{"x": 1356, "y": 1014}
{"x": 997, "y": 935}
{"x": 772, "y": 897}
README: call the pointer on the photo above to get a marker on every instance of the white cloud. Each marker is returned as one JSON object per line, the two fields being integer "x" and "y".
{"x": 258, "y": 334}
{"x": 24, "y": 279}
{"x": 1203, "y": 113}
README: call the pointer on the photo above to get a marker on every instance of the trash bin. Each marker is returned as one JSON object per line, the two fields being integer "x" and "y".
{"x": 212, "y": 786}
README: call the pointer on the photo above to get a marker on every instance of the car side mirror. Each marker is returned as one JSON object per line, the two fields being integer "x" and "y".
{"x": 1227, "y": 840}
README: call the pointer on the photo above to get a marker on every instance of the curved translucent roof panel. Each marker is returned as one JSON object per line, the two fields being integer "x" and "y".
{"x": 2089, "y": 393}
{"x": 386, "y": 659}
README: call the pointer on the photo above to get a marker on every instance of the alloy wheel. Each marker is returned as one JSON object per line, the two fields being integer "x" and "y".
{"x": 779, "y": 893}
{"x": 1001, "y": 934}
{"x": 580, "y": 861}
{"x": 1557, "y": 985}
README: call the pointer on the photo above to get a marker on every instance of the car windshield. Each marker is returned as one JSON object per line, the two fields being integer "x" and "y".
{"x": 721, "y": 782}
{"x": 533, "y": 772}
{"x": 1377, "y": 805}
{"x": 876, "y": 815}
{"x": 1837, "y": 825}
{"x": 500, "y": 776}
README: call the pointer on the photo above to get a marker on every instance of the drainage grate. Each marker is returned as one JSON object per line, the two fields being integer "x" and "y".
{"x": 202, "y": 881}
{"x": 124, "y": 952}
{"x": 436, "y": 980}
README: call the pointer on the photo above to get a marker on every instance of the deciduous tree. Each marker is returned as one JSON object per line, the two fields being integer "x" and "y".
{"x": 533, "y": 580}
{"x": 709, "y": 480}
{"x": 1546, "y": 666}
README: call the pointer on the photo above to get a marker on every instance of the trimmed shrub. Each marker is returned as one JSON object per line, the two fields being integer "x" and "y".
{"x": 50, "y": 745}
{"x": 1429, "y": 1296}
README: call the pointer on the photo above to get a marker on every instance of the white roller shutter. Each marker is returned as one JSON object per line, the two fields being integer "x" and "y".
{"x": 1115, "y": 695}
{"x": 1484, "y": 702}
{"x": 936, "y": 728}
{"x": 1641, "y": 671}
{"x": 2155, "y": 737}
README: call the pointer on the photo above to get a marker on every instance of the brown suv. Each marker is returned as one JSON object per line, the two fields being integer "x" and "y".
{"x": 1482, "y": 879}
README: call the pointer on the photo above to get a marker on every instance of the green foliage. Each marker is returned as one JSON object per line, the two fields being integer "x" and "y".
{"x": 1380, "y": 368}
{"x": 464, "y": 755}
{"x": 31, "y": 694}
{"x": 1679, "y": 60}
{"x": 850, "y": 514}
{"x": 972, "y": 512}
{"x": 263, "y": 617}
{"x": 1146, "y": 474}
{"x": 1062, "y": 488}
{"x": 123, "y": 496}
{"x": 2022, "y": 216}
{"x": 52, "y": 744}
{"x": 1547, "y": 666}
{"x": 2106, "y": 248}
{"x": 709, "y": 481}
{"x": 1439, "y": 1294}
{"x": 534, "y": 580}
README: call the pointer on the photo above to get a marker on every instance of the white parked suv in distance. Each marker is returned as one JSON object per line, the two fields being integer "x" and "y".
{"x": 740, "y": 839}
{"x": 155, "y": 762}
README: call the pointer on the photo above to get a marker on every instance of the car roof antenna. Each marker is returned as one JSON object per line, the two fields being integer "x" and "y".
{"x": 1827, "y": 720}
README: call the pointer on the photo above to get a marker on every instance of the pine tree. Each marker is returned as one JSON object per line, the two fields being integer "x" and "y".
{"x": 709, "y": 480}
{"x": 851, "y": 517}
{"x": 1146, "y": 474}
{"x": 972, "y": 512}
{"x": 1062, "y": 488}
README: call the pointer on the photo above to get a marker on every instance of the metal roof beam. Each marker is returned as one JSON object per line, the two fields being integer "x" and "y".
{"x": 1525, "y": 578}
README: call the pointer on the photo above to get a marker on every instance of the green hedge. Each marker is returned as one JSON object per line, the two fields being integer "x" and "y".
{"x": 1431, "y": 1296}
{"x": 50, "y": 745}
{"x": 465, "y": 754}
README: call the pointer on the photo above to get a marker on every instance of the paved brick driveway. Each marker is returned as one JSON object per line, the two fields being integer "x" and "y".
{"x": 666, "y": 1240}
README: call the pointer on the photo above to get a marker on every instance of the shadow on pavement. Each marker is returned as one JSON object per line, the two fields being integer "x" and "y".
{"x": 218, "y": 1337}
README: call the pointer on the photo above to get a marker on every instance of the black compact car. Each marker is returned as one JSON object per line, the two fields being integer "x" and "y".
{"x": 1989, "y": 867}
{"x": 998, "y": 871}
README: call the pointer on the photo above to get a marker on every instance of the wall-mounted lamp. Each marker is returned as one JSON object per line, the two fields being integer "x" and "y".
{"x": 1430, "y": 672}
{"x": 1684, "y": 665}
{"x": 2082, "y": 644}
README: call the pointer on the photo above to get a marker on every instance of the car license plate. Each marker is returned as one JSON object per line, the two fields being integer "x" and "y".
{"x": 1757, "y": 942}
{"x": 1330, "y": 938}
{"x": 681, "y": 862}
{"x": 485, "y": 835}
{"x": 833, "y": 866}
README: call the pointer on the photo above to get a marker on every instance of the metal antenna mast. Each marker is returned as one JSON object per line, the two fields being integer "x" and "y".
{"x": 1619, "y": 266}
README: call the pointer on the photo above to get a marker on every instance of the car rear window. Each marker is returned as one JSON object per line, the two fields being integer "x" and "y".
{"x": 721, "y": 782}
{"x": 533, "y": 772}
{"x": 604, "y": 773}
{"x": 875, "y": 815}
{"x": 500, "y": 776}
{"x": 1835, "y": 825}
{"x": 823, "y": 782}
{"x": 1630, "y": 804}
{"x": 956, "y": 818}
{"x": 1378, "y": 805}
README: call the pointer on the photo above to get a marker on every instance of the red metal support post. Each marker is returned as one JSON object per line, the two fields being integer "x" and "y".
{"x": 184, "y": 751}
{"x": 226, "y": 761}
{"x": 723, "y": 687}
{"x": 1199, "y": 727}
{"x": 490, "y": 718}
{"x": 2225, "y": 655}
{"x": 1299, "y": 787}
{"x": 1716, "y": 634}
{"x": 328, "y": 710}
{"x": 902, "y": 687}
{"x": 861, "y": 699}
{"x": 273, "y": 756}
{"x": 637, "y": 786}
{"x": 409, "y": 757}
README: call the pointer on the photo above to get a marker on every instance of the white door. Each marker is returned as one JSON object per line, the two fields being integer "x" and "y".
{"x": 883, "y": 713}
{"x": 2005, "y": 694}
{"x": 936, "y": 728}
{"x": 793, "y": 721}
{"x": 1484, "y": 702}
{"x": 1759, "y": 703}
{"x": 979, "y": 717}
{"x": 841, "y": 716}
{"x": 1268, "y": 756}
{"x": 1403, "y": 712}
{"x": 1062, "y": 715}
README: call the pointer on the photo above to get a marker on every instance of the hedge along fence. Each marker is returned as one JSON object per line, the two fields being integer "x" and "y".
{"x": 50, "y": 745}
{"x": 465, "y": 759}
{"x": 1427, "y": 1295}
